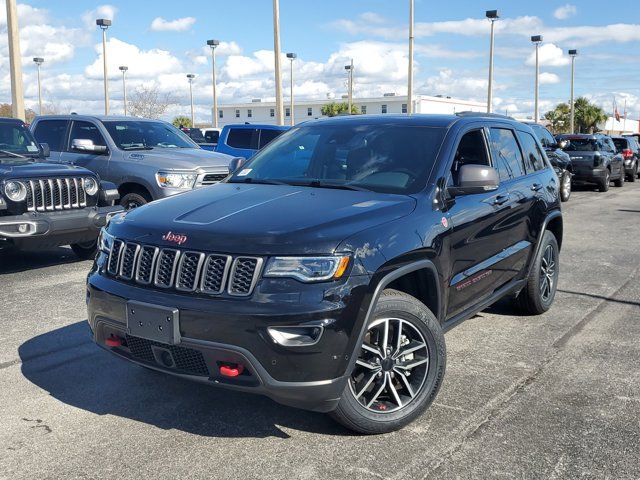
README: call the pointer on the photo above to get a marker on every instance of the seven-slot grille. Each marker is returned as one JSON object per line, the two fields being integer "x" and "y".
{"x": 48, "y": 194}
{"x": 185, "y": 271}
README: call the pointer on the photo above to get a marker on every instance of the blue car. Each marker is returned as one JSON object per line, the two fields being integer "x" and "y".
{"x": 244, "y": 140}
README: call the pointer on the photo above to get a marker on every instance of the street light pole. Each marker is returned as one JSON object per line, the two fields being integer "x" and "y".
{"x": 572, "y": 54}
{"x": 492, "y": 15}
{"x": 15, "y": 64}
{"x": 537, "y": 40}
{"x": 292, "y": 57}
{"x": 39, "y": 61}
{"x": 213, "y": 44}
{"x": 276, "y": 53}
{"x": 410, "y": 73}
{"x": 104, "y": 23}
{"x": 349, "y": 68}
{"x": 191, "y": 76}
{"x": 124, "y": 69}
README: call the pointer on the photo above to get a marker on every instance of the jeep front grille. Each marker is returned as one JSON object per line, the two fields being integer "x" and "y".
{"x": 47, "y": 194}
{"x": 185, "y": 271}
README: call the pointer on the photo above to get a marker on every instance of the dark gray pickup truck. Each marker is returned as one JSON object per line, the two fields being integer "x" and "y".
{"x": 146, "y": 159}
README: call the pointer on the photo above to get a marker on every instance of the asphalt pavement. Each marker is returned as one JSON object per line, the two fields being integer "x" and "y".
{"x": 554, "y": 396}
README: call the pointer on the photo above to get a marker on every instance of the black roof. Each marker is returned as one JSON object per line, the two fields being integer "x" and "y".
{"x": 11, "y": 120}
{"x": 418, "y": 119}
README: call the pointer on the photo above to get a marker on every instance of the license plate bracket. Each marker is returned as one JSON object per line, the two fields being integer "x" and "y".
{"x": 153, "y": 322}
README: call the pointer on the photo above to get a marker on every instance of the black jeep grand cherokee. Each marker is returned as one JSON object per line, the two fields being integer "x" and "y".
{"x": 324, "y": 271}
{"x": 44, "y": 205}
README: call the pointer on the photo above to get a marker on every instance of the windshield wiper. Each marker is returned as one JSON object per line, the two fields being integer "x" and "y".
{"x": 16, "y": 155}
{"x": 137, "y": 148}
{"x": 258, "y": 181}
{"x": 339, "y": 186}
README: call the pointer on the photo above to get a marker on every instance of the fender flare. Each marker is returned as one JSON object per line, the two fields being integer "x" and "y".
{"x": 550, "y": 216}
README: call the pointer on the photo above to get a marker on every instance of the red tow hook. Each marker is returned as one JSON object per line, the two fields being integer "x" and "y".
{"x": 113, "y": 341}
{"x": 231, "y": 370}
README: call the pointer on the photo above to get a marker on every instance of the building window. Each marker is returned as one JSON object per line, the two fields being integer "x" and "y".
{"x": 237, "y": 113}
{"x": 309, "y": 112}
{"x": 220, "y": 114}
{"x": 272, "y": 112}
{"x": 383, "y": 109}
{"x": 404, "y": 108}
{"x": 287, "y": 112}
{"x": 249, "y": 113}
{"x": 363, "y": 109}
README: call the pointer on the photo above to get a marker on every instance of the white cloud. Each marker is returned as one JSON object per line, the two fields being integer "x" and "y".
{"x": 159, "y": 24}
{"x": 449, "y": 84}
{"x": 565, "y": 11}
{"x": 549, "y": 55}
{"x": 101, "y": 11}
{"x": 548, "y": 78}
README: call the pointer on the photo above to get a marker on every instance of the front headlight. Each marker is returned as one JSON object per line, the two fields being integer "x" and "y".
{"x": 105, "y": 241}
{"x": 308, "y": 269}
{"x": 181, "y": 180}
{"x": 15, "y": 191}
{"x": 90, "y": 186}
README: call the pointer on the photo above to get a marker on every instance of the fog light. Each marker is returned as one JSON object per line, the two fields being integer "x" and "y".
{"x": 296, "y": 336}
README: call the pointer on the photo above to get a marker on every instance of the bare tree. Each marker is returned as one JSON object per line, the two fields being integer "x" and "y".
{"x": 148, "y": 102}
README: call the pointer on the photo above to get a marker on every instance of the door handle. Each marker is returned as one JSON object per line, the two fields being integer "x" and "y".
{"x": 536, "y": 186}
{"x": 501, "y": 199}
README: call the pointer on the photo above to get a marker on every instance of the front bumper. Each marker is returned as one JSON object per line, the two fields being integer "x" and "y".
{"x": 219, "y": 331}
{"x": 48, "y": 229}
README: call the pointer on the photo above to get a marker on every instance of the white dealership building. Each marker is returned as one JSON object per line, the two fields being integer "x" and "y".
{"x": 259, "y": 111}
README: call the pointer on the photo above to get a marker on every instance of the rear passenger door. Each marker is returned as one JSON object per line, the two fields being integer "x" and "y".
{"x": 96, "y": 162}
{"x": 242, "y": 142}
{"x": 54, "y": 133}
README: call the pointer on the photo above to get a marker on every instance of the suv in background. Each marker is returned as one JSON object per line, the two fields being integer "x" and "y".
{"x": 595, "y": 160}
{"x": 44, "y": 205}
{"x": 196, "y": 135}
{"x": 333, "y": 262}
{"x": 211, "y": 135}
{"x": 560, "y": 160}
{"x": 244, "y": 140}
{"x": 630, "y": 150}
{"x": 146, "y": 159}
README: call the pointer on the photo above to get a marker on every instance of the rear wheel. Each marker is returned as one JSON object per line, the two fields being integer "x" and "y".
{"x": 565, "y": 186}
{"x": 619, "y": 182}
{"x": 85, "y": 250}
{"x": 603, "y": 186}
{"x": 399, "y": 369}
{"x": 634, "y": 173}
{"x": 540, "y": 290}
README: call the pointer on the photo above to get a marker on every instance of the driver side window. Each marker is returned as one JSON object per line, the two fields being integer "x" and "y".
{"x": 471, "y": 150}
{"x": 86, "y": 131}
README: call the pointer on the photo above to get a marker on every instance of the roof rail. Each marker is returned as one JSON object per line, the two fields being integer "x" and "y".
{"x": 483, "y": 114}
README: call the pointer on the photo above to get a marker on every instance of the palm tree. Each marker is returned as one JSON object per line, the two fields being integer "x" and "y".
{"x": 332, "y": 109}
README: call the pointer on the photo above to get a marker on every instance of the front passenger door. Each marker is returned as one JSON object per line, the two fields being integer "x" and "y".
{"x": 96, "y": 161}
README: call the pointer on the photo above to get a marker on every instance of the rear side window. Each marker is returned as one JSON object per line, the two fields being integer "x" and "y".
{"x": 545, "y": 137}
{"x": 268, "y": 135}
{"x": 533, "y": 158}
{"x": 212, "y": 136}
{"x": 506, "y": 152}
{"x": 51, "y": 132}
{"x": 243, "y": 138}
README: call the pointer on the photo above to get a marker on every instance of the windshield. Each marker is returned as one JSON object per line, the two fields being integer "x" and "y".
{"x": 132, "y": 135}
{"x": 379, "y": 157}
{"x": 581, "y": 145}
{"x": 16, "y": 141}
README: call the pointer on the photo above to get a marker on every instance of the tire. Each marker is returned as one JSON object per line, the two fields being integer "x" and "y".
{"x": 133, "y": 200}
{"x": 619, "y": 182}
{"x": 603, "y": 186}
{"x": 565, "y": 186}
{"x": 368, "y": 404}
{"x": 632, "y": 178}
{"x": 534, "y": 298}
{"x": 86, "y": 250}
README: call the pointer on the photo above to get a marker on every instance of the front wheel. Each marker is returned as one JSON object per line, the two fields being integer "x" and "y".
{"x": 619, "y": 182}
{"x": 603, "y": 186}
{"x": 85, "y": 250}
{"x": 133, "y": 200}
{"x": 565, "y": 186}
{"x": 634, "y": 173}
{"x": 540, "y": 290}
{"x": 399, "y": 369}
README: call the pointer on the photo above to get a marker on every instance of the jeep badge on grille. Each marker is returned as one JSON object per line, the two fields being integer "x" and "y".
{"x": 175, "y": 238}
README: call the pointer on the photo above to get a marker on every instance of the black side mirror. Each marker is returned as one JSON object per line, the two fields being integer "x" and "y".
{"x": 46, "y": 151}
{"x": 475, "y": 179}
{"x": 236, "y": 163}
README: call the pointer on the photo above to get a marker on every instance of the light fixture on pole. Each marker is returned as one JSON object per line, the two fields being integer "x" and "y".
{"x": 39, "y": 61}
{"x": 573, "y": 54}
{"x": 492, "y": 15}
{"x": 537, "y": 40}
{"x": 410, "y": 73}
{"x": 213, "y": 44}
{"x": 191, "y": 76}
{"x": 123, "y": 69}
{"x": 349, "y": 68}
{"x": 292, "y": 57}
{"x": 276, "y": 54}
{"x": 105, "y": 23}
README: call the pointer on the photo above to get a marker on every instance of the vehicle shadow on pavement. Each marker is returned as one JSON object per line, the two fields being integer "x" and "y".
{"x": 16, "y": 261}
{"x": 67, "y": 364}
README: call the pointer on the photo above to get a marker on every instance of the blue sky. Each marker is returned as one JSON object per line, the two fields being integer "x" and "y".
{"x": 163, "y": 43}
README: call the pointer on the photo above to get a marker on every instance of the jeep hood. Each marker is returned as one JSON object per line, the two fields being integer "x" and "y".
{"x": 28, "y": 170}
{"x": 261, "y": 219}
{"x": 180, "y": 158}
